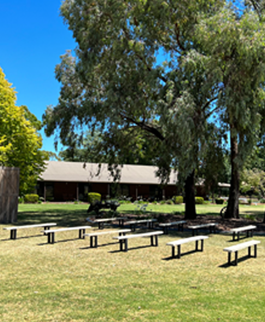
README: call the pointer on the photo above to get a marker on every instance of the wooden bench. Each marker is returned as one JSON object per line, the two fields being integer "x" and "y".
{"x": 94, "y": 236}
{"x": 238, "y": 247}
{"x": 102, "y": 221}
{"x": 13, "y": 229}
{"x": 248, "y": 229}
{"x": 211, "y": 226}
{"x": 133, "y": 223}
{"x": 173, "y": 223}
{"x": 123, "y": 240}
{"x": 50, "y": 233}
{"x": 179, "y": 242}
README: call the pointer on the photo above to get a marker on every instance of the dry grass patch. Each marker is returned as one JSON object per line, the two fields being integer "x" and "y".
{"x": 68, "y": 281}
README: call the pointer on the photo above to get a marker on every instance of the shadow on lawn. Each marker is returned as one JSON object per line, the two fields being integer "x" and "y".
{"x": 64, "y": 218}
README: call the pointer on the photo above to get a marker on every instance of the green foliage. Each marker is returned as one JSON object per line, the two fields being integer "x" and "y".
{"x": 93, "y": 197}
{"x": 20, "y": 142}
{"x": 219, "y": 201}
{"x": 177, "y": 199}
{"x": 31, "y": 198}
{"x": 199, "y": 200}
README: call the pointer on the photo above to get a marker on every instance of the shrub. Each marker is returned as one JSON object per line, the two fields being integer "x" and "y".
{"x": 31, "y": 198}
{"x": 219, "y": 201}
{"x": 199, "y": 200}
{"x": 93, "y": 197}
{"x": 20, "y": 199}
{"x": 262, "y": 200}
{"x": 177, "y": 200}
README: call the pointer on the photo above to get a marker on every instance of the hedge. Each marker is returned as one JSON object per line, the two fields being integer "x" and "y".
{"x": 199, "y": 200}
{"x": 31, "y": 198}
{"x": 177, "y": 199}
{"x": 93, "y": 197}
{"x": 219, "y": 201}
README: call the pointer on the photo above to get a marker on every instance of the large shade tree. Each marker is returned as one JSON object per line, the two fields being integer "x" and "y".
{"x": 116, "y": 83}
{"x": 20, "y": 142}
{"x": 233, "y": 40}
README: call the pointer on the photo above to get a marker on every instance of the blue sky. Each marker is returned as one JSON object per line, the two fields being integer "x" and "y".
{"x": 33, "y": 36}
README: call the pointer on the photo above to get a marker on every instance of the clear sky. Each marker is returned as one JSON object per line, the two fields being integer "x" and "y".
{"x": 33, "y": 36}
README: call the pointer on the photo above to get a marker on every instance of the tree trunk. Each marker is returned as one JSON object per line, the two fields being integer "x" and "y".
{"x": 232, "y": 207}
{"x": 190, "y": 209}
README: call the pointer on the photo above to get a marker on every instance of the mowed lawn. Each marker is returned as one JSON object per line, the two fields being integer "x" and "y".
{"x": 68, "y": 281}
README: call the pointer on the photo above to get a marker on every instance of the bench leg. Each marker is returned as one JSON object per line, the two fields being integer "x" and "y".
{"x": 132, "y": 227}
{"x": 156, "y": 241}
{"x": 255, "y": 251}
{"x": 81, "y": 233}
{"x": 236, "y": 258}
{"x": 202, "y": 245}
{"x": 180, "y": 227}
{"x": 179, "y": 249}
{"x": 196, "y": 245}
{"x": 229, "y": 258}
{"x": 173, "y": 251}
{"x": 125, "y": 245}
{"x": 234, "y": 235}
{"x": 238, "y": 236}
{"x": 51, "y": 238}
{"x": 91, "y": 241}
{"x": 249, "y": 251}
{"x": 13, "y": 234}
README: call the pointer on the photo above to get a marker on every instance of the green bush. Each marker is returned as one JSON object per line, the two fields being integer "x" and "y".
{"x": 262, "y": 200}
{"x": 177, "y": 199}
{"x": 199, "y": 200}
{"x": 31, "y": 198}
{"x": 219, "y": 201}
{"x": 20, "y": 199}
{"x": 169, "y": 202}
{"x": 93, "y": 197}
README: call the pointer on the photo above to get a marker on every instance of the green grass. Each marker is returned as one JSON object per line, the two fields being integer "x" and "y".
{"x": 68, "y": 281}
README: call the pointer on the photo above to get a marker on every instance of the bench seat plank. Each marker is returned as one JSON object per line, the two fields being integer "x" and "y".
{"x": 182, "y": 241}
{"x": 50, "y": 233}
{"x": 248, "y": 229}
{"x": 123, "y": 240}
{"x": 94, "y": 236}
{"x": 101, "y": 221}
{"x": 133, "y": 223}
{"x": 236, "y": 248}
{"x": 179, "y": 223}
{"x": 211, "y": 226}
{"x": 13, "y": 229}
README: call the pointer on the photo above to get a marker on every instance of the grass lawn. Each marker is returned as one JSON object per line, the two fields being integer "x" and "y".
{"x": 68, "y": 281}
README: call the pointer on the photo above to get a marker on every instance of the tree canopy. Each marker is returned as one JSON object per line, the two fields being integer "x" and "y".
{"x": 20, "y": 142}
{"x": 166, "y": 68}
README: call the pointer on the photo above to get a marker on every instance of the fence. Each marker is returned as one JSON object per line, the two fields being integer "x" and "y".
{"x": 9, "y": 190}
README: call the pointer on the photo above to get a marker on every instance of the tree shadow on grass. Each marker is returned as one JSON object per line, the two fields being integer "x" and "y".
{"x": 63, "y": 218}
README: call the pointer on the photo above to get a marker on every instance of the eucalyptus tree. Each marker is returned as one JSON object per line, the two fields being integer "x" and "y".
{"x": 133, "y": 71}
{"x": 233, "y": 41}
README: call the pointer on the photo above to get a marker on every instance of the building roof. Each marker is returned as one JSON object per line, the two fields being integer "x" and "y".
{"x": 89, "y": 172}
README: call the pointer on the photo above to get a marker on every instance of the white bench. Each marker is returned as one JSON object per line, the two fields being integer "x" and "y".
{"x": 237, "y": 231}
{"x": 179, "y": 242}
{"x": 50, "y": 233}
{"x": 173, "y": 223}
{"x": 236, "y": 248}
{"x": 133, "y": 223}
{"x": 94, "y": 236}
{"x": 101, "y": 221}
{"x": 123, "y": 240}
{"x": 13, "y": 229}
{"x": 211, "y": 226}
